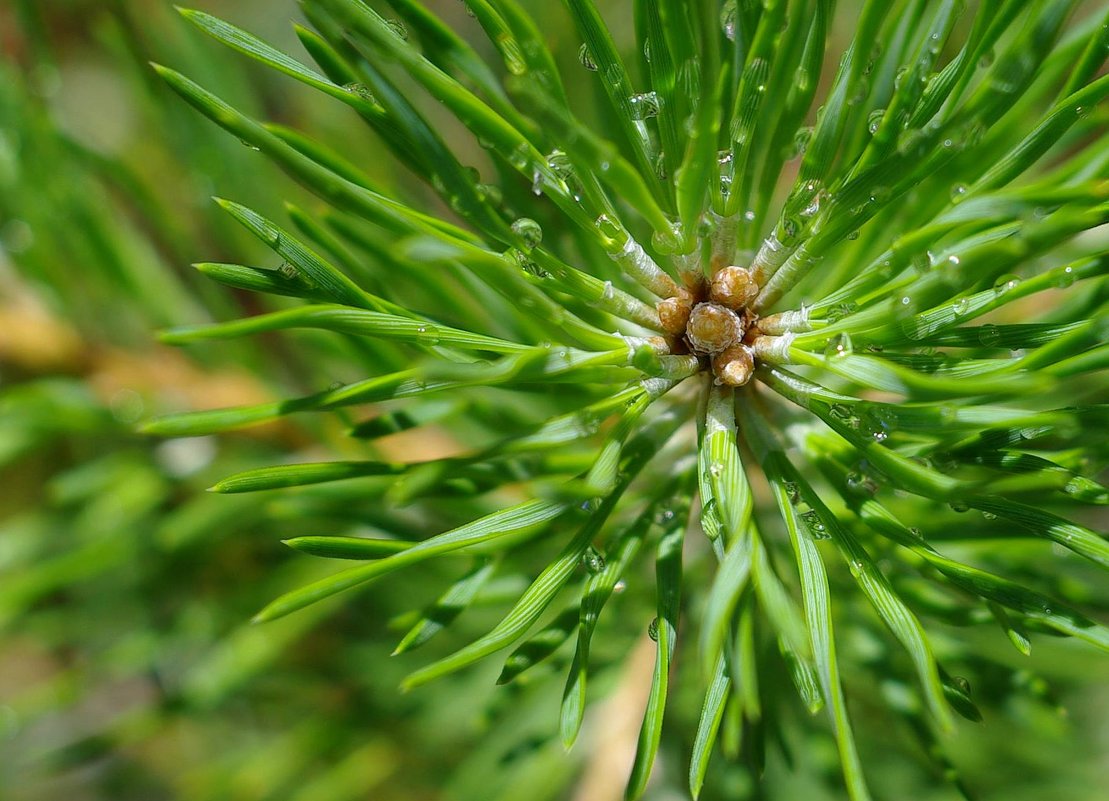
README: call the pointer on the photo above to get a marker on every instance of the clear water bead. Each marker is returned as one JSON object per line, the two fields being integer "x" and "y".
{"x": 814, "y": 525}
{"x": 360, "y": 90}
{"x": 586, "y": 59}
{"x": 728, "y": 19}
{"x": 644, "y": 106}
{"x": 593, "y": 561}
{"x": 397, "y": 28}
{"x": 529, "y": 232}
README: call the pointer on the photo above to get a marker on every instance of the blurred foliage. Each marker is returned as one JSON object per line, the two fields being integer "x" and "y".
{"x": 127, "y": 667}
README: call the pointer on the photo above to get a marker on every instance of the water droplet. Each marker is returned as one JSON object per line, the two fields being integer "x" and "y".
{"x": 619, "y": 587}
{"x": 710, "y": 521}
{"x": 652, "y": 630}
{"x": 859, "y": 483}
{"x": 491, "y": 194}
{"x": 397, "y": 28}
{"x": 789, "y": 229}
{"x": 874, "y": 421}
{"x": 959, "y": 506}
{"x": 647, "y": 51}
{"x": 793, "y": 493}
{"x": 727, "y": 19}
{"x": 916, "y": 533}
{"x": 1005, "y": 283}
{"x": 427, "y": 335}
{"x": 586, "y": 58}
{"x": 840, "y": 310}
{"x": 667, "y": 242}
{"x": 520, "y": 157}
{"x": 608, "y": 293}
{"x": 989, "y": 335}
{"x": 961, "y": 306}
{"x": 987, "y": 59}
{"x": 814, "y": 525}
{"x": 910, "y": 323}
{"x": 644, "y": 106}
{"x": 1066, "y": 278}
{"x": 844, "y": 414}
{"x": 664, "y": 516}
{"x": 911, "y": 142}
{"x": 287, "y": 270}
{"x": 529, "y": 232}
{"x": 801, "y": 139}
{"x": 588, "y": 423}
{"x": 526, "y": 264}
{"x": 962, "y": 684}
{"x": 838, "y": 347}
{"x": 958, "y": 191}
{"x": 593, "y": 561}
{"x": 513, "y": 55}
{"x": 716, "y": 469}
{"x": 360, "y": 90}
{"x": 851, "y": 237}
{"x": 249, "y": 145}
{"x": 989, "y": 516}
{"x": 874, "y": 120}
{"x": 610, "y": 229}
{"x": 862, "y": 91}
{"x": 560, "y": 164}
{"x": 660, "y": 166}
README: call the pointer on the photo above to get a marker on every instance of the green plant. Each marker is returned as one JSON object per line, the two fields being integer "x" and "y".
{"x": 129, "y": 669}
{"x": 827, "y": 343}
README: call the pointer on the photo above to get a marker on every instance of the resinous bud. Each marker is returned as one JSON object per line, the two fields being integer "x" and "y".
{"x": 734, "y": 287}
{"x": 713, "y": 328}
{"x": 674, "y": 313}
{"x": 734, "y": 367}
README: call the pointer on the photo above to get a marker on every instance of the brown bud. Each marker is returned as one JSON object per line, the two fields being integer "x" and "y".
{"x": 673, "y": 313}
{"x": 734, "y": 366}
{"x": 734, "y": 287}
{"x": 713, "y": 328}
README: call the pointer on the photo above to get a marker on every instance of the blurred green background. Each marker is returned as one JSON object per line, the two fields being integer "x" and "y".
{"x": 127, "y": 668}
